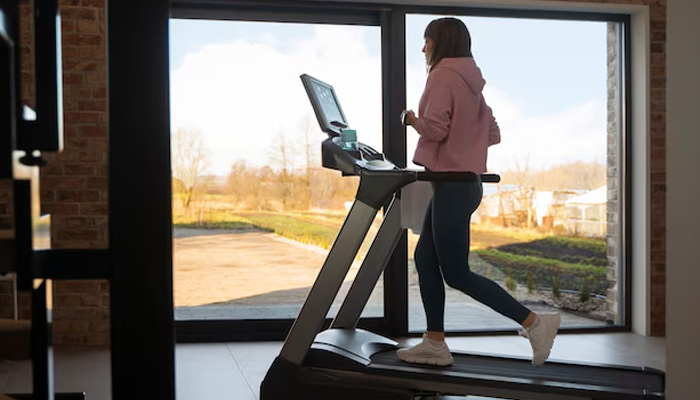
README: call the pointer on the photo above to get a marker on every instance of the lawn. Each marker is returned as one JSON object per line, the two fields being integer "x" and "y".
{"x": 567, "y": 263}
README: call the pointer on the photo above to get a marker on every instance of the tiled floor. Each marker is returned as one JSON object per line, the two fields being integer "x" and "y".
{"x": 233, "y": 371}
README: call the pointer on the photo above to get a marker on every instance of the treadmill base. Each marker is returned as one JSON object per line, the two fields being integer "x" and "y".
{"x": 288, "y": 381}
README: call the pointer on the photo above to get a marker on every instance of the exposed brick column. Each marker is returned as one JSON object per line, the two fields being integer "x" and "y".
{"x": 74, "y": 186}
{"x": 74, "y": 183}
{"x": 7, "y": 299}
{"x": 658, "y": 167}
{"x": 6, "y": 215}
{"x": 613, "y": 171}
{"x": 6, "y": 190}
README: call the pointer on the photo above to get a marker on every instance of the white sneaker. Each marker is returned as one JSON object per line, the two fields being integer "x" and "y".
{"x": 429, "y": 351}
{"x": 541, "y": 335}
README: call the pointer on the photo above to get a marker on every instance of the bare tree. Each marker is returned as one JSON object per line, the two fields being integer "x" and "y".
{"x": 282, "y": 153}
{"x": 311, "y": 155}
{"x": 525, "y": 190}
{"x": 282, "y": 158}
{"x": 239, "y": 183}
{"x": 189, "y": 161}
{"x": 573, "y": 175}
{"x": 310, "y": 144}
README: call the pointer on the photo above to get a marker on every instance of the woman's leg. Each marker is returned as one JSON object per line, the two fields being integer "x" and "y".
{"x": 432, "y": 287}
{"x": 443, "y": 252}
{"x": 452, "y": 207}
{"x": 432, "y": 350}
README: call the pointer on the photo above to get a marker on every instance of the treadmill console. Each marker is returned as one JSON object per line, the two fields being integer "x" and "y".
{"x": 337, "y": 152}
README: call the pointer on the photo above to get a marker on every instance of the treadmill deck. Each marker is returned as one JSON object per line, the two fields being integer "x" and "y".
{"x": 600, "y": 381}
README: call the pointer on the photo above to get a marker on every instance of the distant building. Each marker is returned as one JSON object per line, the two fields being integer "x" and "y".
{"x": 587, "y": 213}
{"x": 576, "y": 212}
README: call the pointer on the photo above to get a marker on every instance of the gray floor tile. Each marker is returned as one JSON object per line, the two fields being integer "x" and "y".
{"x": 19, "y": 380}
{"x": 208, "y": 371}
{"x": 6, "y": 368}
{"x": 85, "y": 371}
{"x": 95, "y": 372}
{"x": 254, "y": 359}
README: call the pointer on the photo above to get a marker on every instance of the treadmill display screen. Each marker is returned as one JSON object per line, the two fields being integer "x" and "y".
{"x": 325, "y": 104}
{"x": 328, "y": 103}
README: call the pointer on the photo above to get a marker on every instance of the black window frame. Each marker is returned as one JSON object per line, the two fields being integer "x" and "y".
{"x": 391, "y": 19}
{"x": 625, "y": 162}
{"x": 189, "y": 331}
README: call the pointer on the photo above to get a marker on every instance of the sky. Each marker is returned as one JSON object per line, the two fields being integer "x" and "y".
{"x": 237, "y": 83}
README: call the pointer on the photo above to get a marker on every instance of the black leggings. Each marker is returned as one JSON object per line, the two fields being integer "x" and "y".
{"x": 443, "y": 252}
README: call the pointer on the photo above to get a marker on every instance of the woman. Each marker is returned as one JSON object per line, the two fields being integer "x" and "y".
{"x": 456, "y": 127}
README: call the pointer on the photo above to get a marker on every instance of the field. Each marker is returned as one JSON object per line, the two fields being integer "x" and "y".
{"x": 537, "y": 260}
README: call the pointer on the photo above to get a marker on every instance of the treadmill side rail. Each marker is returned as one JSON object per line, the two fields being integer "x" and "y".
{"x": 372, "y": 267}
{"x": 334, "y": 270}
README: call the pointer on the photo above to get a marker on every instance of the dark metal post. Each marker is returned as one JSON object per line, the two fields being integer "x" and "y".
{"x": 394, "y": 146}
{"x": 142, "y": 331}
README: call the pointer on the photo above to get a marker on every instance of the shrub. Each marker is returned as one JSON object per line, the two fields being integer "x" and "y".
{"x": 567, "y": 249}
{"x": 585, "y": 293}
{"x": 556, "y": 283}
{"x": 511, "y": 284}
{"x": 530, "y": 282}
{"x": 542, "y": 270}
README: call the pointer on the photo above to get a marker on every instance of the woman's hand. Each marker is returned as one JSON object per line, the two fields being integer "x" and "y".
{"x": 408, "y": 117}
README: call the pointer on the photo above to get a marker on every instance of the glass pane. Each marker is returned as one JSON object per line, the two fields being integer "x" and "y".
{"x": 549, "y": 232}
{"x": 254, "y": 211}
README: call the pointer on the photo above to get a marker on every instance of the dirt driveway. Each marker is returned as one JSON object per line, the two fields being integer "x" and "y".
{"x": 218, "y": 266}
{"x": 253, "y": 269}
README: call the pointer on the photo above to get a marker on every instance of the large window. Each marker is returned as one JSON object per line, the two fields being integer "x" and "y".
{"x": 548, "y": 232}
{"x": 254, "y": 212}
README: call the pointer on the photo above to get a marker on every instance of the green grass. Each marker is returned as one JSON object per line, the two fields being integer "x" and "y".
{"x": 511, "y": 259}
{"x": 570, "y": 250}
{"x": 215, "y": 220}
{"x": 296, "y": 228}
{"x": 542, "y": 270}
{"x": 302, "y": 227}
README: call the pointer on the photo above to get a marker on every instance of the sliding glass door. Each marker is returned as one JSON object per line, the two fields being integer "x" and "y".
{"x": 254, "y": 212}
{"x": 549, "y": 232}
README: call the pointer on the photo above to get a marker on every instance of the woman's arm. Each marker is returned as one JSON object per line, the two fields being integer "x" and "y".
{"x": 494, "y": 130}
{"x": 434, "y": 122}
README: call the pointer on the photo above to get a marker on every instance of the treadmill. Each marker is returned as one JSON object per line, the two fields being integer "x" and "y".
{"x": 347, "y": 363}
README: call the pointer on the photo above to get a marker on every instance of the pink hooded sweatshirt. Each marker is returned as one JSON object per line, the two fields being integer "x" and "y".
{"x": 455, "y": 124}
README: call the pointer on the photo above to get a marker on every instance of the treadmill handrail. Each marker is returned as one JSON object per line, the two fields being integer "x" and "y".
{"x": 455, "y": 176}
{"x": 377, "y": 186}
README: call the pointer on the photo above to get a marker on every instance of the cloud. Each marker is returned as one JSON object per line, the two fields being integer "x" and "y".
{"x": 243, "y": 95}
{"x": 579, "y": 133}
{"x": 545, "y": 139}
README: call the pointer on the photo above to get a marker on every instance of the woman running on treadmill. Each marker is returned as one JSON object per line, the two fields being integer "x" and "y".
{"x": 456, "y": 127}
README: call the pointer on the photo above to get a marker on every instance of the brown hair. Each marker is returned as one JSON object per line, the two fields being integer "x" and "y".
{"x": 450, "y": 39}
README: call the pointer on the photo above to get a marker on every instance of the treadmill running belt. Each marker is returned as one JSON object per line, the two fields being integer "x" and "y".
{"x": 644, "y": 382}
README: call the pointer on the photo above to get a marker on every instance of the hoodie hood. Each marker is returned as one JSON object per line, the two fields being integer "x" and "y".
{"x": 467, "y": 69}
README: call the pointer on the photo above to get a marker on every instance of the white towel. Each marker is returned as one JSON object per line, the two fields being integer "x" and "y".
{"x": 415, "y": 198}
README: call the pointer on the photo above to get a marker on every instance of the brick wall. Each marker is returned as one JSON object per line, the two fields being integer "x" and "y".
{"x": 658, "y": 167}
{"x": 7, "y": 298}
{"x": 613, "y": 170}
{"x": 6, "y": 221}
{"x": 74, "y": 184}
